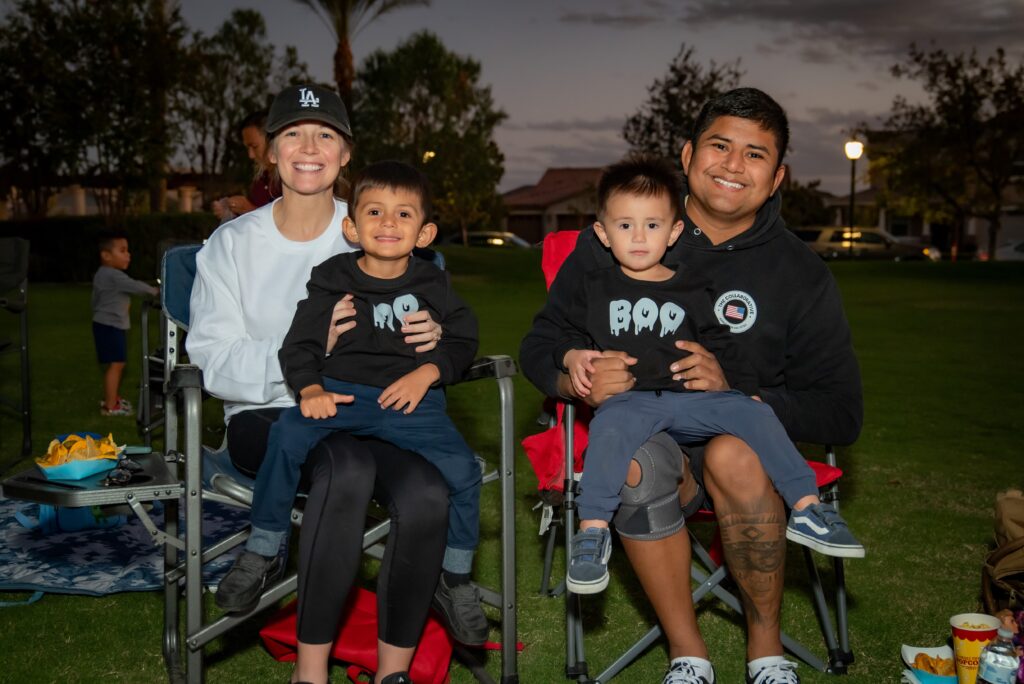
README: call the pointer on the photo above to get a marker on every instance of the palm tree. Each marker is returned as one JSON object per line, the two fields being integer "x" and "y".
{"x": 345, "y": 18}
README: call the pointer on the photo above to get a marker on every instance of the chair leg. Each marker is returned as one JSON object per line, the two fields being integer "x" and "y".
{"x": 549, "y": 558}
{"x": 509, "y": 631}
{"x": 26, "y": 392}
{"x": 193, "y": 533}
{"x": 172, "y": 646}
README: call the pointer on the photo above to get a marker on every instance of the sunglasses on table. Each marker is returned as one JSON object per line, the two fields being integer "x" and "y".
{"x": 125, "y": 472}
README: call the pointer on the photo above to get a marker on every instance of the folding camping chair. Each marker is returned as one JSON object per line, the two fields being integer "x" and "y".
{"x": 708, "y": 570}
{"x": 14, "y": 299}
{"x": 231, "y": 488}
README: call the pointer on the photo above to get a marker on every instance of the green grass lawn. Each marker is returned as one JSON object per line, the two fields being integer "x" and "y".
{"x": 944, "y": 388}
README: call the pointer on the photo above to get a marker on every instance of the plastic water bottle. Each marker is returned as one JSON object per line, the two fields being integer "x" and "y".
{"x": 999, "y": 662}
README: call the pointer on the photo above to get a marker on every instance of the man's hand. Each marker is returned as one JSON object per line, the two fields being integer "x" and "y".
{"x": 611, "y": 376}
{"x": 699, "y": 370}
{"x": 420, "y": 328}
{"x": 408, "y": 390}
{"x": 342, "y": 310}
{"x": 577, "y": 362}
{"x": 316, "y": 402}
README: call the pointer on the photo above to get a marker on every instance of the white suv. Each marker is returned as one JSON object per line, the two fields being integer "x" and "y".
{"x": 832, "y": 242}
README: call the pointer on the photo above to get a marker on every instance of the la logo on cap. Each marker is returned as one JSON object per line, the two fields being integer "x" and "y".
{"x": 307, "y": 99}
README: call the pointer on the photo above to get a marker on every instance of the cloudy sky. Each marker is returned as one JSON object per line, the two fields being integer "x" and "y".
{"x": 569, "y": 72}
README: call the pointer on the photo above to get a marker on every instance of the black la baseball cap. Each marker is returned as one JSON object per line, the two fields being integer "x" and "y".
{"x": 308, "y": 103}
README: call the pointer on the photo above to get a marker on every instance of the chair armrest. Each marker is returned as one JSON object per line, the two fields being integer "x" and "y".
{"x": 495, "y": 367}
{"x": 184, "y": 377}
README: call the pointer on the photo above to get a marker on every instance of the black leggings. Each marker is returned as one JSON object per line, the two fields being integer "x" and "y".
{"x": 344, "y": 473}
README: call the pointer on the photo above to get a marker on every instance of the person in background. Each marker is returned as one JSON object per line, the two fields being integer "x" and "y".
{"x": 111, "y": 302}
{"x": 263, "y": 189}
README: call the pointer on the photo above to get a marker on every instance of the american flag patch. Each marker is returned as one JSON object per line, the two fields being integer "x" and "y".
{"x": 733, "y": 311}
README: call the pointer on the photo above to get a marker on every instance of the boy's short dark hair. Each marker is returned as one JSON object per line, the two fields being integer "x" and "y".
{"x": 640, "y": 174}
{"x": 391, "y": 175}
{"x": 746, "y": 103}
{"x": 254, "y": 120}
{"x": 105, "y": 239}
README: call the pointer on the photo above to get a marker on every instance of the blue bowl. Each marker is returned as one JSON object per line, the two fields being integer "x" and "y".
{"x": 78, "y": 470}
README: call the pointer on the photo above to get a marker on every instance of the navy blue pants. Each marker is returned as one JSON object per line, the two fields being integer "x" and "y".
{"x": 428, "y": 431}
{"x": 625, "y": 421}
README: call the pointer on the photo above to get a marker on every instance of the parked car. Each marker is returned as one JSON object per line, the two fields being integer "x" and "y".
{"x": 489, "y": 238}
{"x": 1010, "y": 251}
{"x": 831, "y": 242}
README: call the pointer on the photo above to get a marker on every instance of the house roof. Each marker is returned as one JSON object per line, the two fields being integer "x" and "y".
{"x": 556, "y": 185}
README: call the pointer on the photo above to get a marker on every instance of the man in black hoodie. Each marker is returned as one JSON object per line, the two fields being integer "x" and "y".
{"x": 783, "y": 306}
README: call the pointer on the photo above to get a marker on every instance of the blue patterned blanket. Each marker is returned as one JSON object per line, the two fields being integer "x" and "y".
{"x": 100, "y": 561}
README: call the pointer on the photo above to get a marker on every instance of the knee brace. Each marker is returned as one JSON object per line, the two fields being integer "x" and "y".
{"x": 651, "y": 510}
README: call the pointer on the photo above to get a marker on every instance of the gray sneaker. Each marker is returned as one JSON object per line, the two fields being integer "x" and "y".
{"x": 821, "y": 528}
{"x": 461, "y": 612}
{"x": 588, "y": 565}
{"x": 239, "y": 591}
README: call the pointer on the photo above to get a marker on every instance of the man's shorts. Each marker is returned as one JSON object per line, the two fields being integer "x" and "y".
{"x": 695, "y": 459}
{"x": 111, "y": 343}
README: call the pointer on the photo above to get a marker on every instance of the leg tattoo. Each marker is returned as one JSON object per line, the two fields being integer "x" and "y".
{"x": 754, "y": 545}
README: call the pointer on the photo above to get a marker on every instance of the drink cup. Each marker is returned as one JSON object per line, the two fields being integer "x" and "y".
{"x": 971, "y": 633}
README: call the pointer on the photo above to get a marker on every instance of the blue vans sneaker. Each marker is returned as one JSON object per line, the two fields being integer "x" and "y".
{"x": 588, "y": 565}
{"x": 821, "y": 528}
{"x": 689, "y": 671}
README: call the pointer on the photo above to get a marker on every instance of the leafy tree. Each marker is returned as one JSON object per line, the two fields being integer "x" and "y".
{"x": 85, "y": 88}
{"x": 665, "y": 121}
{"x": 128, "y": 61}
{"x": 427, "y": 107}
{"x": 232, "y": 73}
{"x": 804, "y": 205}
{"x": 957, "y": 154}
{"x": 42, "y": 131}
{"x": 345, "y": 18}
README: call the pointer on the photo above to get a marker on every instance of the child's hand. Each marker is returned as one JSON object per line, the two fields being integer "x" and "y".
{"x": 577, "y": 361}
{"x": 318, "y": 403}
{"x": 342, "y": 310}
{"x": 408, "y": 390}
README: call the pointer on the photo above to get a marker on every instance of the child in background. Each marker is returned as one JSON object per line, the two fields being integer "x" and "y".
{"x": 642, "y": 307}
{"x": 111, "y": 302}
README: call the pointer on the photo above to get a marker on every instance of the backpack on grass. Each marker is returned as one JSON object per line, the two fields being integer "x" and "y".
{"x": 1002, "y": 578}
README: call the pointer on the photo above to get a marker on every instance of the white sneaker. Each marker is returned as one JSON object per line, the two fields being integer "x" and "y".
{"x": 689, "y": 671}
{"x": 777, "y": 670}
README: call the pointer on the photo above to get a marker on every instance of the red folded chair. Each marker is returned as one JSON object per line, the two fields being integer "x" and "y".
{"x": 547, "y": 453}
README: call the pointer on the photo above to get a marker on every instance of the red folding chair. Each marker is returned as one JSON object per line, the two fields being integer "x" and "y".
{"x": 558, "y": 451}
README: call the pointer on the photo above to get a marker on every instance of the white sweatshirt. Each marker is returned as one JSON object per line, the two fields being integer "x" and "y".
{"x": 249, "y": 279}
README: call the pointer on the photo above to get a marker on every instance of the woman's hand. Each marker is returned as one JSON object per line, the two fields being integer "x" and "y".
{"x": 578, "y": 363}
{"x": 699, "y": 370}
{"x": 342, "y": 310}
{"x": 420, "y": 329}
{"x": 316, "y": 402}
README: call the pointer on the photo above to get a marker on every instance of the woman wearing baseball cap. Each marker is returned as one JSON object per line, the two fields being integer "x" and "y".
{"x": 250, "y": 275}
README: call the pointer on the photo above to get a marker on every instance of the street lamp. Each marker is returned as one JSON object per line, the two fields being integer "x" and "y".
{"x": 854, "y": 149}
